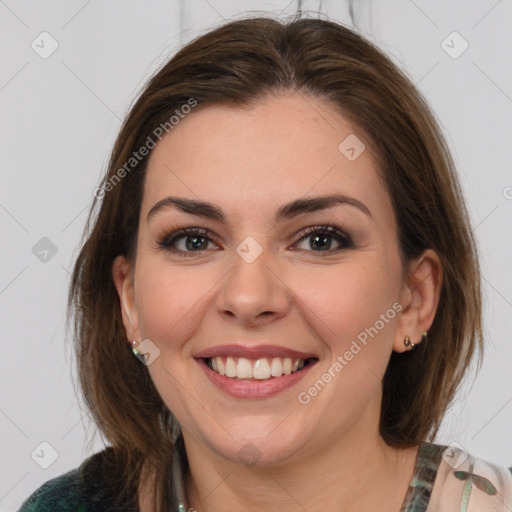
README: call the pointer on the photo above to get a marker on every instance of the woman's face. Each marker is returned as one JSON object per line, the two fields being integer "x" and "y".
{"x": 254, "y": 287}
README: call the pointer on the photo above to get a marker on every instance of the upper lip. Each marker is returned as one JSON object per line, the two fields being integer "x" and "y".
{"x": 253, "y": 352}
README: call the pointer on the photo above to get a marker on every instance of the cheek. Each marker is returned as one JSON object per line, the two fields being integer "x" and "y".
{"x": 167, "y": 299}
{"x": 345, "y": 301}
{"x": 351, "y": 310}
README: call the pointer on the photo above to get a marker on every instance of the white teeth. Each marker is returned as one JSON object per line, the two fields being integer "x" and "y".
{"x": 261, "y": 369}
{"x": 244, "y": 369}
{"x": 230, "y": 367}
{"x": 276, "y": 368}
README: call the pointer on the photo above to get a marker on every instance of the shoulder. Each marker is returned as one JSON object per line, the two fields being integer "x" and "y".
{"x": 80, "y": 490}
{"x": 58, "y": 494}
{"x": 467, "y": 482}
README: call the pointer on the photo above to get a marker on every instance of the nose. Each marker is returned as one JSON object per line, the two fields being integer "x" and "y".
{"x": 253, "y": 293}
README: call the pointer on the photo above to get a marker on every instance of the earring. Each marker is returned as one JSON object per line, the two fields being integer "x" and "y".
{"x": 409, "y": 343}
{"x": 134, "y": 350}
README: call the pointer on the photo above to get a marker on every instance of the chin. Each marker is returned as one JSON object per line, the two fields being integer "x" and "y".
{"x": 255, "y": 448}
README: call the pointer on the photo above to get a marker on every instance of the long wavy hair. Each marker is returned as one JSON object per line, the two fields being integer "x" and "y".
{"x": 239, "y": 63}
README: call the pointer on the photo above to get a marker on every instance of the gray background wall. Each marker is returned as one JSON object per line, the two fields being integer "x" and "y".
{"x": 60, "y": 115}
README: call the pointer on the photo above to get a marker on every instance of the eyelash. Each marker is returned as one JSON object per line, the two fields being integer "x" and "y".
{"x": 344, "y": 237}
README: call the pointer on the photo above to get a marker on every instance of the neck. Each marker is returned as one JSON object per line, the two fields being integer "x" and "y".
{"x": 354, "y": 473}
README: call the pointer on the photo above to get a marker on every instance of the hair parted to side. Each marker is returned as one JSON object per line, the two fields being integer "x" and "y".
{"x": 239, "y": 63}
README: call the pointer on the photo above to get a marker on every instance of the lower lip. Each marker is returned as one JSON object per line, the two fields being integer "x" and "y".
{"x": 248, "y": 388}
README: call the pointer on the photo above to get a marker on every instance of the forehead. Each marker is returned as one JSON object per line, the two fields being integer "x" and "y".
{"x": 248, "y": 158}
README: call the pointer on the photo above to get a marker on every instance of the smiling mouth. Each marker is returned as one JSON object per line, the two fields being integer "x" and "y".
{"x": 264, "y": 368}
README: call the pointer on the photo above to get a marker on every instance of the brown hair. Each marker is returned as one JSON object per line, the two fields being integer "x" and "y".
{"x": 240, "y": 63}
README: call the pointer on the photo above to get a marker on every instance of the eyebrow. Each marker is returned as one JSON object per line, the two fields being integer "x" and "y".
{"x": 287, "y": 211}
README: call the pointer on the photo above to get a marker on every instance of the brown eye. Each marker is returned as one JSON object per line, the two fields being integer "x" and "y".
{"x": 320, "y": 239}
{"x": 186, "y": 241}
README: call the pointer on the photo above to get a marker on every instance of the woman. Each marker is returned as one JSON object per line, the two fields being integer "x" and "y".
{"x": 279, "y": 293}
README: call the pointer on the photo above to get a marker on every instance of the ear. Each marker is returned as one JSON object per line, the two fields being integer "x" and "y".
{"x": 419, "y": 298}
{"x": 123, "y": 274}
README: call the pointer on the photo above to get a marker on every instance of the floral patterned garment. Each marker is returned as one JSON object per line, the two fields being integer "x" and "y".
{"x": 448, "y": 479}
{"x": 445, "y": 479}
